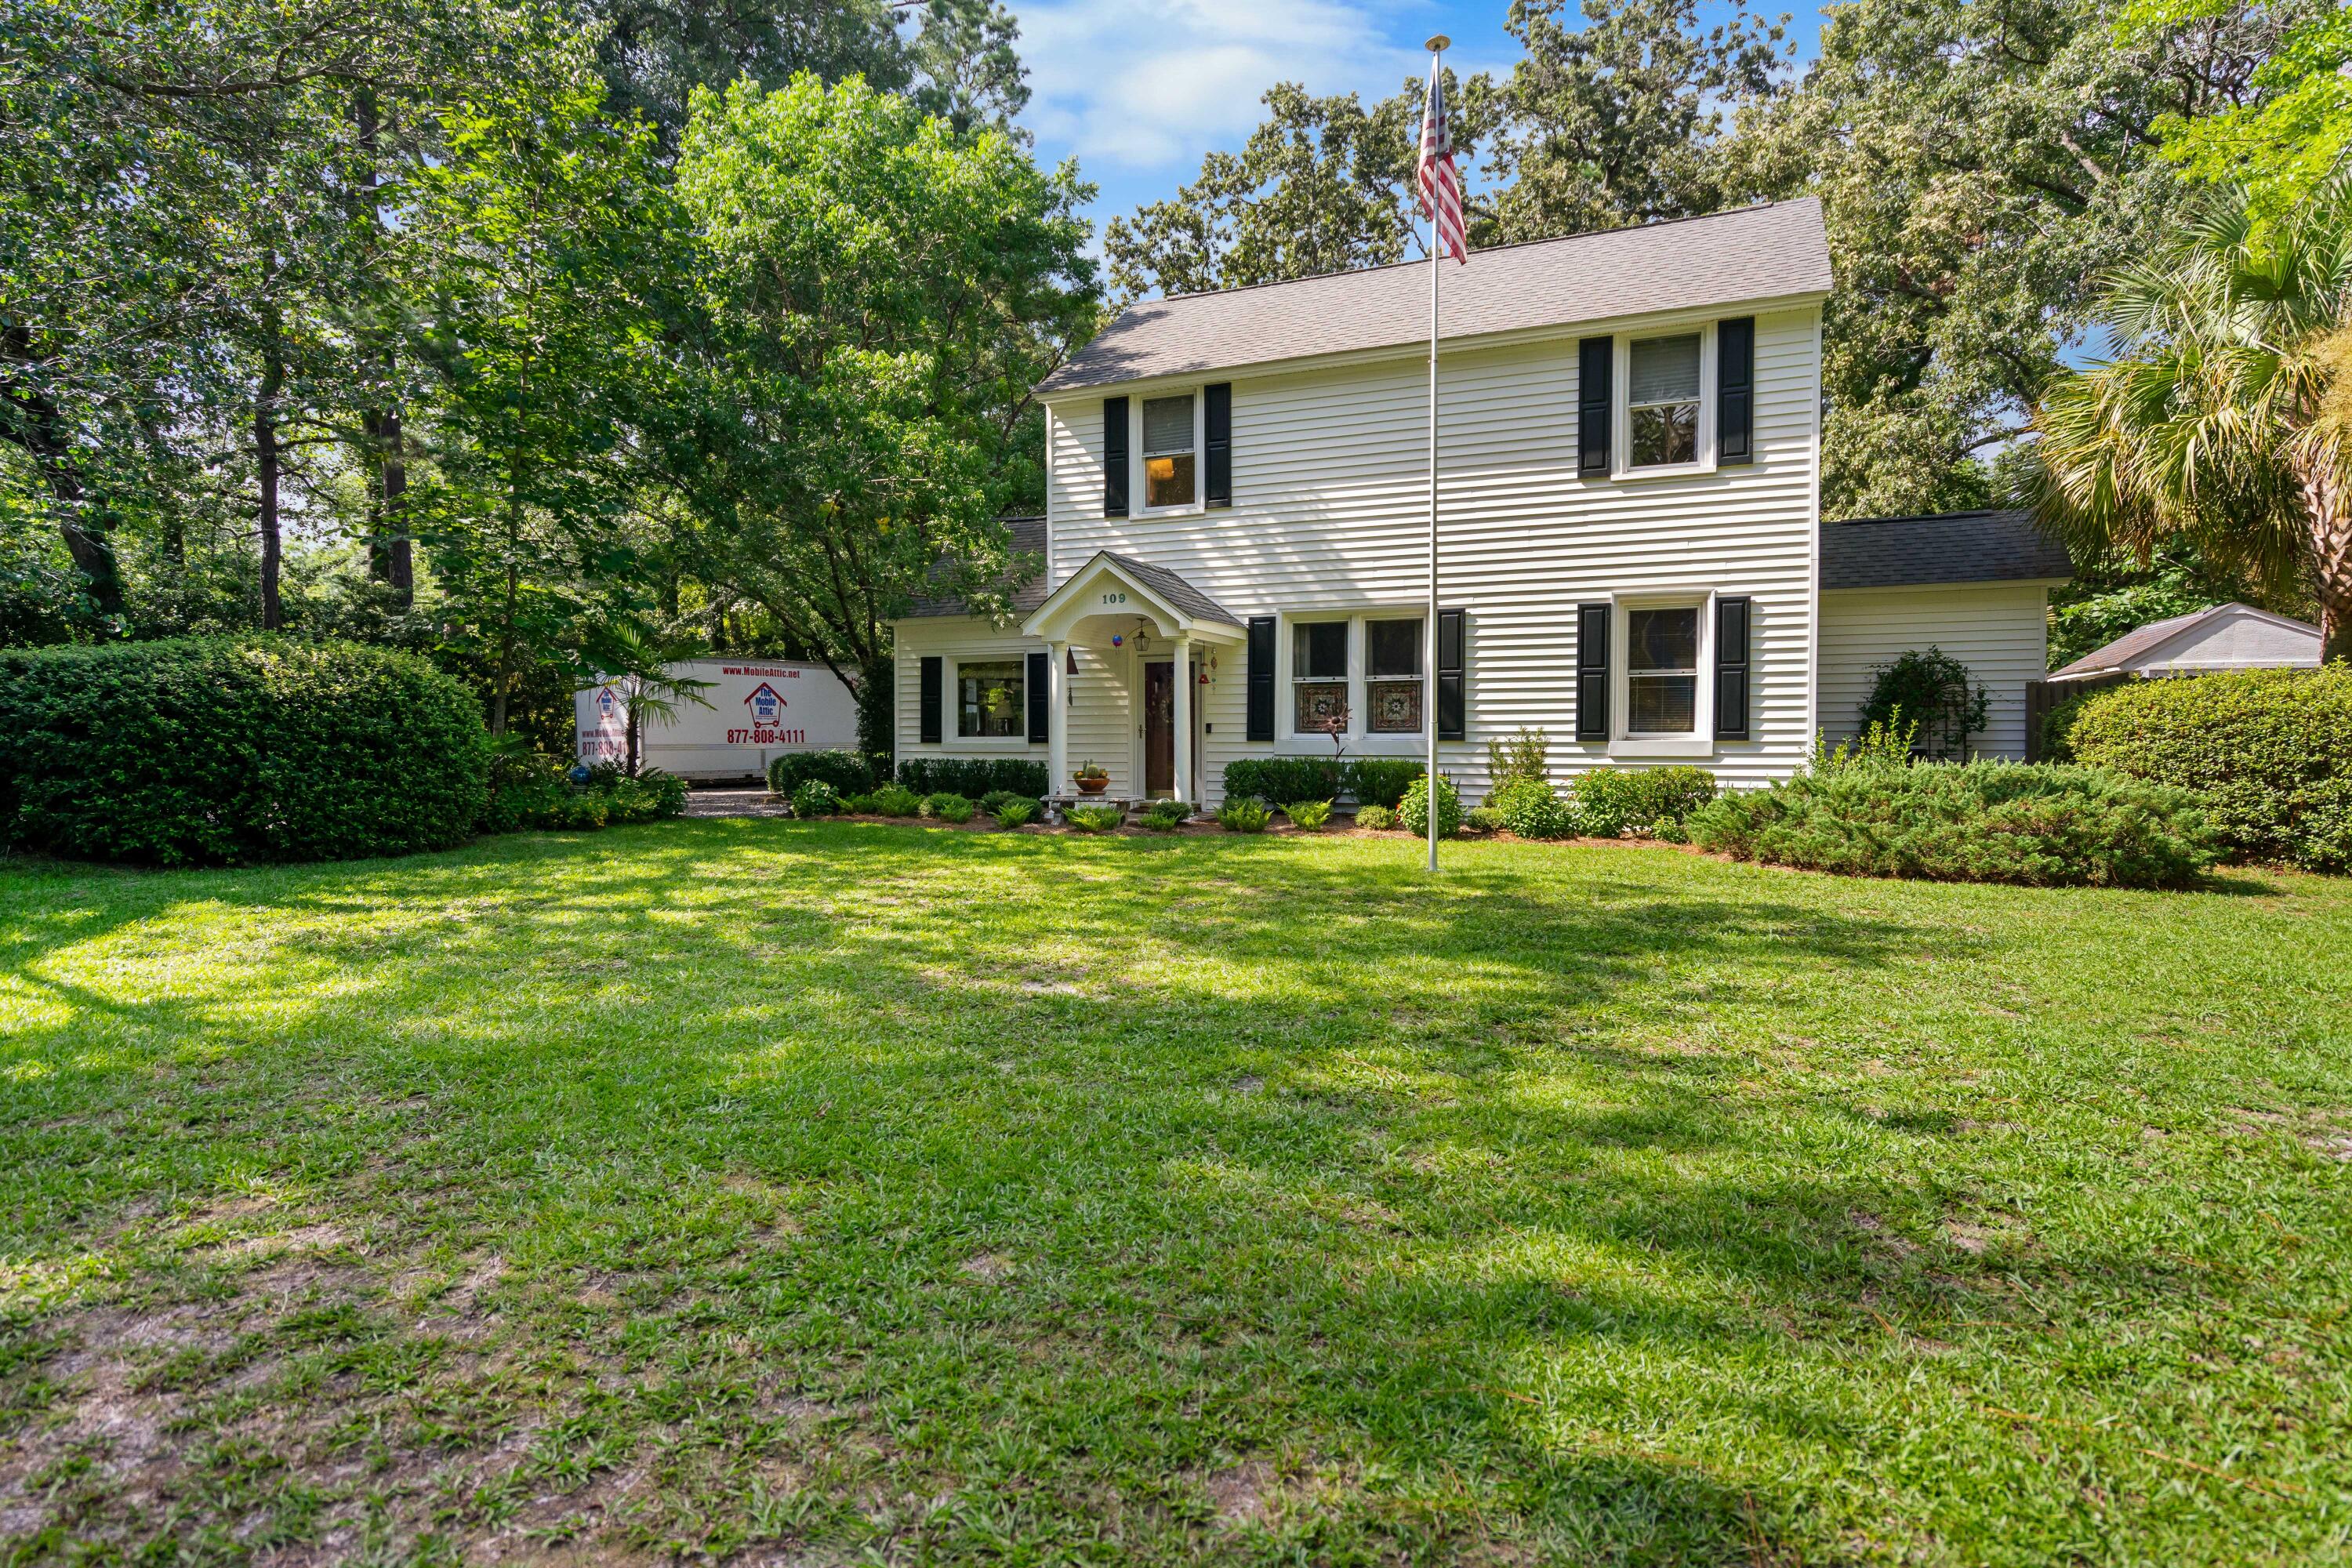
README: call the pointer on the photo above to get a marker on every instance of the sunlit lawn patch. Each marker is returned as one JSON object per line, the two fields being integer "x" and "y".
{"x": 753, "y": 1186}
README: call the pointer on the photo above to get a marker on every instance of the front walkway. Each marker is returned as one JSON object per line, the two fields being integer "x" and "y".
{"x": 752, "y": 802}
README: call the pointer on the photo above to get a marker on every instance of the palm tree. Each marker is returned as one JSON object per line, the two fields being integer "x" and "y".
{"x": 636, "y": 661}
{"x": 2209, "y": 425}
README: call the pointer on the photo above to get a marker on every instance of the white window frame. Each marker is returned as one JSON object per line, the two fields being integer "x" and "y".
{"x": 1290, "y": 740}
{"x": 1622, "y": 741}
{"x": 1621, "y": 408}
{"x": 1138, "y": 484}
{"x": 952, "y": 732}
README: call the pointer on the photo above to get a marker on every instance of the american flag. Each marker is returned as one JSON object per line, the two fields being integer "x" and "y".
{"x": 1441, "y": 182}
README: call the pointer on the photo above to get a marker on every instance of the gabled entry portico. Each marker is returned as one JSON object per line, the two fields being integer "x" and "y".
{"x": 1117, "y": 604}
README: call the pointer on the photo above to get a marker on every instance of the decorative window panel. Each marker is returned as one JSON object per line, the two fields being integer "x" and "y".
{"x": 1392, "y": 694}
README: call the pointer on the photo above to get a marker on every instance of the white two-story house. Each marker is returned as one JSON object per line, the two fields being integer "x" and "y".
{"x": 1630, "y": 556}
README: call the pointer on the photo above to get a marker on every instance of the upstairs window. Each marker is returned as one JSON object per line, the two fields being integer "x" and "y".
{"x": 1168, "y": 457}
{"x": 1393, "y": 691}
{"x": 989, "y": 700}
{"x": 1662, "y": 395}
{"x": 1661, "y": 670}
{"x": 1318, "y": 676}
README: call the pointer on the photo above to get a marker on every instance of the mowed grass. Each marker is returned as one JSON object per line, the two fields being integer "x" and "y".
{"x": 790, "y": 1193}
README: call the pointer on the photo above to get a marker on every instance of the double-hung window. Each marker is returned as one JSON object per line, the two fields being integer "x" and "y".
{"x": 1392, "y": 689}
{"x": 1661, "y": 651}
{"x": 989, "y": 700}
{"x": 1318, "y": 676}
{"x": 1661, "y": 400}
{"x": 1168, "y": 467}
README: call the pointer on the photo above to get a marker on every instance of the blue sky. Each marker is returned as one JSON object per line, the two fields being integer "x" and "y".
{"x": 1137, "y": 90}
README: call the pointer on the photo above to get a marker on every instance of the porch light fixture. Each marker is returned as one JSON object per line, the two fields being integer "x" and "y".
{"x": 1070, "y": 661}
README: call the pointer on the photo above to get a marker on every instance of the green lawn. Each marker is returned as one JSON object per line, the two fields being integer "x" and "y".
{"x": 825, "y": 1193}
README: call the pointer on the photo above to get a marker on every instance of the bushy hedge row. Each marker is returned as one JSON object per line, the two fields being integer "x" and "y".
{"x": 973, "y": 777}
{"x": 218, "y": 749}
{"x": 1606, "y": 803}
{"x": 849, "y": 772}
{"x": 1373, "y": 781}
{"x": 2270, "y": 751}
{"x": 2040, "y": 825}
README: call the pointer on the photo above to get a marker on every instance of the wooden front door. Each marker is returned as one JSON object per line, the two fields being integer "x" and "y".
{"x": 1160, "y": 727}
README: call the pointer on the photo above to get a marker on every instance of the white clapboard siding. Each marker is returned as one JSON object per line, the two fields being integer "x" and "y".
{"x": 1331, "y": 513}
{"x": 2000, "y": 631}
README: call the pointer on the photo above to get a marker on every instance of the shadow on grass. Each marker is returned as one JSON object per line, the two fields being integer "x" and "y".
{"x": 1291, "y": 1154}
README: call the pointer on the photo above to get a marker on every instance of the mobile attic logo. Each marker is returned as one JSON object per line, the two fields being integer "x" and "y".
{"x": 606, "y": 703}
{"x": 766, "y": 706}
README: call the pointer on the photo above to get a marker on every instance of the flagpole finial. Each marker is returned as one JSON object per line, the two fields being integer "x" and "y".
{"x": 1440, "y": 44}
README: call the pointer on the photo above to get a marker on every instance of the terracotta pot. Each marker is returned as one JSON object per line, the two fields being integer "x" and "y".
{"x": 1094, "y": 785}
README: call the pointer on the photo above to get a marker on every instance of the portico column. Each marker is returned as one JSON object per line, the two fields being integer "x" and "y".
{"x": 1185, "y": 721}
{"x": 1057, "y": 718}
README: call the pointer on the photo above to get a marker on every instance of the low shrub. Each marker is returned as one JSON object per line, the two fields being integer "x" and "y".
{"x": 1413, "y": 810}
{"x": 1481, "y": 819}
{"x": 814, "y": 798}
{"x": 1935, "y": 691}
{"x": 1309, "y": 815}
{"x": 1525, "y": 757}
{"x": 2268, "y": 751}
{"x": 996, "y": 800}
{"x": 1529, "y": 808}
{"x": 1651, "y": 802}
{"x": 211, "y": 749}
{"x": 1095, "y": 818}
{"x": 668, "y": 792}
{"x": 1015, "y": 813}
{"x": 848, "y": 772}
{"x": 858, "y": 805}
{"x": 1245, "y": 814}
{"x": 575, "y": 811}
{"x": 1286, "y": 778}
{"x": 1379, "y": 818}
{"x": 1164, "y": 816}
{"x": 974, "y": 778}
{"x": 2041, "y": 825}
{"x": 895, "y": 800}
{"x": 1381, "y": 781}
{"x": 948, "y": 807}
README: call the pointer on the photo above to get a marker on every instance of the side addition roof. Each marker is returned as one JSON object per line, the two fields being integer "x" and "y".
{"x": 1779, "y": 250}
{"x": 2136, "y": 649}
{"x": 1945, "y": 547}
{"x": 1028, "y": 542}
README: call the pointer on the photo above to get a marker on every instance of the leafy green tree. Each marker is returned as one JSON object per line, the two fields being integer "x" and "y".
{"x": 881, "y": 295}
{"x": 1618, "y": 121}
{"x": 2206, "y": 426}
{"x": 2284, "y": 139}
{"x": 1981, "y": 164}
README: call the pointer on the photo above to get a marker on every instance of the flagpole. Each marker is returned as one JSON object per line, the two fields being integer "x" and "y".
{"x": 1437, "y": 47}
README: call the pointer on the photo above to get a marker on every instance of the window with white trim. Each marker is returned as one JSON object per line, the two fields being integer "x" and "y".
{"x": 1661, "y": 400}
{"x": 989, "y": 698}
{"x": 1170, "y": 469}
{"x": 1318, "y": 676}
{"x": 1661, "y": 658}
{"x": 1392, "y": 676}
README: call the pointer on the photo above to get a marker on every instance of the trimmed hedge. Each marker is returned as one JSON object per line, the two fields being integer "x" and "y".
{"x": 2270, "y": 751}
{"x": 221, "y": 749}
{"x": 1976, "y": 822}
{"x": 1382, "y": 781}
{"x": 973, "y": 777}
{"x": 1655, "y": 802}
{"x": 1373, "y": 781}
{"x": 848, "y": 772}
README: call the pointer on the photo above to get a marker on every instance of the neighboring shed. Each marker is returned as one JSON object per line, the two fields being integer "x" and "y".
{"x": 1974, "y": 583}
{"x": 2227, "y": 637}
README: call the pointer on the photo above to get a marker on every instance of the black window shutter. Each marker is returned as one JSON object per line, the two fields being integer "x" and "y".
{"x": 1217, "y": 408}
{"x": 1595, "y": 360}
{"x": 1038, "y": 707}
{"x": 932, "y": 676}
{"x": 1452, "y": 676}
{"x": 1261, "y": 678}
{"x": 1735, "y": 382}
{"x": 1592, "y": 672}
{"x": 1731, "y": 668}
{"x": 1115, "y": 463}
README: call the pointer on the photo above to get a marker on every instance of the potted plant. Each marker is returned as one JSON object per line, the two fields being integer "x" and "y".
{"x": 1093, "y": 778}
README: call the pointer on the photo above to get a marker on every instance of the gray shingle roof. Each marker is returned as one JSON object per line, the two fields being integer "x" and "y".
{"x": 1181, "y": 594}
{"x": 1767, "y": 252}
{"x": 1028, "y": 548}
{"x": 1948, "y": 547}
{"x": 2133, "y": 644}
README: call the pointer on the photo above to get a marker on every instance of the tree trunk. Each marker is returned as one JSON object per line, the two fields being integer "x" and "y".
{"x": 390, "y": 560}
{"x": 503, "y": 676}
{"x": 85, "y": 521}
{"x": 266, "y": 473}
{"x": 2327, "y": 504}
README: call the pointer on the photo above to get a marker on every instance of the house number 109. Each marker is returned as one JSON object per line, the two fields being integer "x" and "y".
{"x": 1114, "y": 598}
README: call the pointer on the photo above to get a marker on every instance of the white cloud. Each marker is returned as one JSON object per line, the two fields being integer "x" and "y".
{"x": 1132, "y": 85}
